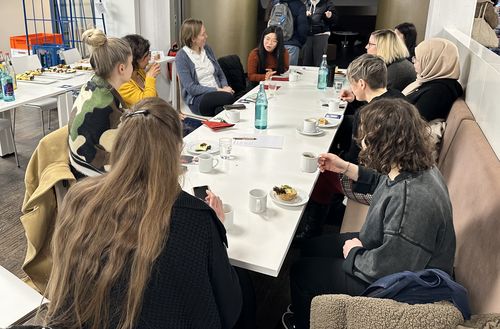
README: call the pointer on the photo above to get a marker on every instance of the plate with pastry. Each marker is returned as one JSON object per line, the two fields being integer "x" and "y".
{"x": 329, "y": 122}
{"x": 287, "y": 195}
{"x": 199, "y": 147}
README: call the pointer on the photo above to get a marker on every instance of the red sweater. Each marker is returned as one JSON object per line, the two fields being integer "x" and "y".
{"x": 271, "y": 63}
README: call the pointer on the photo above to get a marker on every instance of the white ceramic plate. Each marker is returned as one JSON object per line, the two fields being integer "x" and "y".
{"x": 316, "y": 133}
{"x": 300, "y": 199}
{"x": 331, "y": 123}
{"x": 191, "y": 148}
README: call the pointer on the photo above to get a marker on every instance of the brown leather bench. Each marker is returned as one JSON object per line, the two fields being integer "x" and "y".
{"x": 472, "y": 172}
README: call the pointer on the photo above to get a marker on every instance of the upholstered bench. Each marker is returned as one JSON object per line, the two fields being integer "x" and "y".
{"x": 471, "y": 170}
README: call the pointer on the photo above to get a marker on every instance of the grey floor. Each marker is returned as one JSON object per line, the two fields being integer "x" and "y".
{"x": 272, "y": 294}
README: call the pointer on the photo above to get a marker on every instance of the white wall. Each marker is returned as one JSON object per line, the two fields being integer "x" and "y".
{"x": 154, "y": 24}
{"x": 480, "y": 76}
{"x": 456, "y": 14}
{"x": 121, "y": 17}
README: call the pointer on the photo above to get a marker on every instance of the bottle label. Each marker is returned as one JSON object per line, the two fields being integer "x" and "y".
{"x": 8, "y": 89}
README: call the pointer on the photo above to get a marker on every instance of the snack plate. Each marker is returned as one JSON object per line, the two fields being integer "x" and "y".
{"x": 191, "y": 148}
{"x": 300, "y": 199}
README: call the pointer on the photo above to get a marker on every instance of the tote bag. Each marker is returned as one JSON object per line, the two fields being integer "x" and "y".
{"x": 482, "y": 32}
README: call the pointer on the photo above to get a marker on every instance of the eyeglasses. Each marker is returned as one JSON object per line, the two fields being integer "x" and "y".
{"x": 371, "y": 44}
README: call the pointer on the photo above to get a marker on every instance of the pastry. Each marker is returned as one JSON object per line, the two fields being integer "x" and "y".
{"x": 285, "y": 192}
{"x": 322, "y": 121}
{"x": 203, "y": 147}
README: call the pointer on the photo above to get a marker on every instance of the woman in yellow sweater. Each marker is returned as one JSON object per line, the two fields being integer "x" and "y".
{"x": 143, "y": 81}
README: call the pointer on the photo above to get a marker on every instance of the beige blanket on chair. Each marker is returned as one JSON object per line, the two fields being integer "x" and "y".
{"x": 343, "y": 311}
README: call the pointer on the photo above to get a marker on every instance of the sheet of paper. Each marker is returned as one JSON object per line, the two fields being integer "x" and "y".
{"x": 265, "y": 141}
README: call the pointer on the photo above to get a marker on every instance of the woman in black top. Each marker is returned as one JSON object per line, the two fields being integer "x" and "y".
{"x": 436, "y": 88}
{"x": 321, "y": 16}
{"x": 132, "y": 250}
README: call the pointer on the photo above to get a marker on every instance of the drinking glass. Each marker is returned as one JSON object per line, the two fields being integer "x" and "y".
{"x": 225, "y": 147}
{"x": 271, "y": 85}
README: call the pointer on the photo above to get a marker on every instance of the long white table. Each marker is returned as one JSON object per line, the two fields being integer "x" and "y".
{"x": 260, "y": 242}
{"x": 28, "y": 92}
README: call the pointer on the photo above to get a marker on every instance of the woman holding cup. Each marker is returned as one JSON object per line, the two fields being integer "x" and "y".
{"x": 409, "y": 224}
{"x": 142, "y": 84}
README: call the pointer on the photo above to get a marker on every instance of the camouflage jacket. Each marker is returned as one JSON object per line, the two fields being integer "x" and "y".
{"x": 92, "y": 126}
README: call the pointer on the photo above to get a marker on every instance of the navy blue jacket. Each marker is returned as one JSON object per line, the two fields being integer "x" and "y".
{"x": 300, "y": 23}
{"x": 427, "y": 286}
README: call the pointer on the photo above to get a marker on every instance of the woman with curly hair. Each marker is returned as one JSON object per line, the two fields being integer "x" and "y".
{"x": 409, "y": 223}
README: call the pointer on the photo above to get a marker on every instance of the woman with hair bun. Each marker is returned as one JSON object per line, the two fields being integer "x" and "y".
{"x": 97, "y": 109}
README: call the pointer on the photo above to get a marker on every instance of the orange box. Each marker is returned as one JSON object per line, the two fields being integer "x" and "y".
{"x": 19, "y": 41}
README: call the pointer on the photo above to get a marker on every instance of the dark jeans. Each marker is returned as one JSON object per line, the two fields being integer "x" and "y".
{"x": 211, "y": 104}
{"x": 314, "y": 49}
{"x": 318, "y": 272}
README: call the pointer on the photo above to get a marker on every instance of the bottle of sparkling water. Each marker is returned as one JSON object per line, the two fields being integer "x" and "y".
{"x": 7, "y": 86}
{"x": 261, "y": 108}
{"x": 1, "y": 76}
{"x": 323, "y": 74}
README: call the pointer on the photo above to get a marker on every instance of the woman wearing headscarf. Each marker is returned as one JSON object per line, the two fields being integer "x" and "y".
{"x": 436, "y": 88}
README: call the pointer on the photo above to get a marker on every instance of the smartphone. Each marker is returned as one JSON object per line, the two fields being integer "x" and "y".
{"x": 200, "y": 192}
{"x": 186, "y": 159}
{"x": 235, "y": 107}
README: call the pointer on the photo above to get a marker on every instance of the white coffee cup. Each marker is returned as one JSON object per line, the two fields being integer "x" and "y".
{"x": 228, "y": 215}
{"x": 206, "y": 162}
{"x": 309, "y": 162}
{"x": 233, "y": 116}
{"x": 309, "y": 125}
{"x": 334, "y": 105}
{"x": 258, "y": 200}
{"x": 293, "y": 76}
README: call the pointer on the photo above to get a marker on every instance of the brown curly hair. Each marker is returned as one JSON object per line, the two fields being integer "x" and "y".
{"x": 393, "y": 133}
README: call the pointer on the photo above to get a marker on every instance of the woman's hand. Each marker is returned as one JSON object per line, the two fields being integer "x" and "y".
{"x": 349, "y": 244}
{"x": 269, "y": 73}
{"x": 308, "y": 13}
{"x": 216, "y": 204}
{"x": 153, "y": 70}
{"x": 347, "y": 95}
{"x": 331, "y": 162}
{"x": 328, "y": 14}
{"x": 226, "y": 89}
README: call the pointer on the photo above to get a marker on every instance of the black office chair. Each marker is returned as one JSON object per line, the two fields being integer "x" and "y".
{"x": 236, "y": 77}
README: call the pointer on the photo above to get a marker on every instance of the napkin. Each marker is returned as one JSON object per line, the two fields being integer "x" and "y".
{"x": 216, "y": 125}
{"x": 280, "y": 79}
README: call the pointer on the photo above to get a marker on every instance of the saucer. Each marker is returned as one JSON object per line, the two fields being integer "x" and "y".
{"x": 315, "y": 133}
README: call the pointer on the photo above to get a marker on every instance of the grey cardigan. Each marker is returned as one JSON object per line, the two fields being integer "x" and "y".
{"x": 400, "y": 74}
{"x": 186, "y": 70}
{"x": 409, "y": 225}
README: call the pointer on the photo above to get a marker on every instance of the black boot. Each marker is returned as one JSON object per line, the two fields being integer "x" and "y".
{"x": 311, "y": 222}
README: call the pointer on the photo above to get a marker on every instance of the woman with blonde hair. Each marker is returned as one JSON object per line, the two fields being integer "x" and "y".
{"x": 132, "y": 250}
{"x": 204, "y": 86}
{"x": 436, "y": 88}
{"x": 97, "y": 109}
{"x": 387, "y": 45}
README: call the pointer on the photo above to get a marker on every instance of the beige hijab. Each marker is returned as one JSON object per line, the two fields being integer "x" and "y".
{"x": 438, "y": 60}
